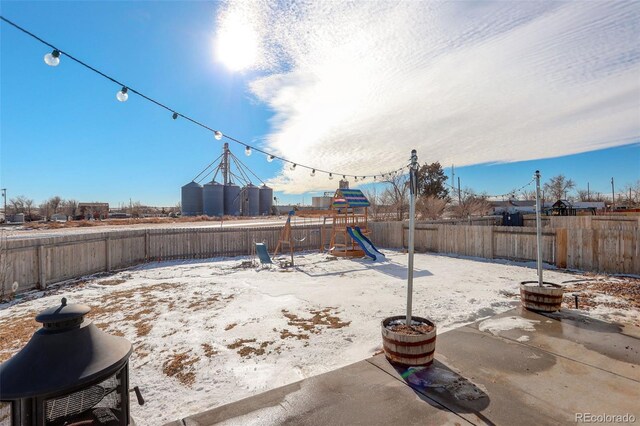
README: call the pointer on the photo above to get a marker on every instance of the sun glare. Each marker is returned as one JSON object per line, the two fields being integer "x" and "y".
{"x": 236, "y": 44}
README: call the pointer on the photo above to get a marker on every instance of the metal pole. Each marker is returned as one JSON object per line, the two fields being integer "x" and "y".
{"x": 4, "y": 195}
{"x": 613, "y": 196}
{"x": 225, "y": 163}
{"x": 413, "y": 188}
{"x": 459, "y": 193}
{"x": 538, "y": 228}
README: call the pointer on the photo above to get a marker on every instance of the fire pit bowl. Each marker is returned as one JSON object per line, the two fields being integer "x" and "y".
{"x": 69, "y": 373}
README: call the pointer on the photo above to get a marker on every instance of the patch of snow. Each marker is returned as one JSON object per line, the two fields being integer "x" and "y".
{"x": 495, "y": 325}
{"x": 524, "y": 338}
{"x": 245, "y": 330}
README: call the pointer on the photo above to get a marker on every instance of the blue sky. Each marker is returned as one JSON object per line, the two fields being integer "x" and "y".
{"x": 485, "y": 89}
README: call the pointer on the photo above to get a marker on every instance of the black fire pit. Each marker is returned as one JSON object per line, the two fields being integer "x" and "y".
{"x": 70, "y": 373}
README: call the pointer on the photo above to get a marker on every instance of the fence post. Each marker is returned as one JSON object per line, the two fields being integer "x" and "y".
{"x": 491, "y": 243}
{"x": 42, "y": 273}
{"x": 107, "y": 252}
{"x": 146, "y": 245}
{"x": 561, "y": 247}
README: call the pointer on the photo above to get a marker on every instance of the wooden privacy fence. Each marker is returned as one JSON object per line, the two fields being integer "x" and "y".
{"x": 611, "y": 246}
{"x": 608, "y": 246}
{"x": 35, "y": 262}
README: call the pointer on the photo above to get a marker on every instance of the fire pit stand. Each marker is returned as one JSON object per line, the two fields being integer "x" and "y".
{"x": 69, "y": 373}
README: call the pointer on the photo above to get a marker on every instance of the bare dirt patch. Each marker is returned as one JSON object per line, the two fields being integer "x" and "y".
{"x": 15, "y": 332}
{"x": 286, "y": 334}
{"x": 137, "y": 306}
{"x": 200, "y": 302}
{"x": 112, "y": 282}
{"x": 318, "y": 319}
{"x": 181, "y": 366}
{"x": 627, "y": 289}
{"x": 246, "y": 351}
{"x": 209, "y": 352}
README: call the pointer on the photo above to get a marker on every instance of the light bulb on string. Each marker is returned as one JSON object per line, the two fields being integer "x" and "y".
{"x": 313, "y": 172}
{"x": 217, "y": 134}
{"x": 330, "y": 176}
{"x": 270, "y": 158}
{"x": 52, "y": 59}
{"x": 293, "y": 166}
{"x": 356, "y": 178}
{"x": 247, "y": 150}
{"x": 175, "y": 115}
{"x": 122, "y": 95}
{"x": 344, "y": 177}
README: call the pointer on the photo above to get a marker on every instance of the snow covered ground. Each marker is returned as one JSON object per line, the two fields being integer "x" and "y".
{"x": 209, "y": 332}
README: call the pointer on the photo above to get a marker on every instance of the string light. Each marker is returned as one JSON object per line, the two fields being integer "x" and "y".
{"x": 52, "y": 59}
{"x": 356, "y": 178}
{"x": 293, "y": 166}
{"x": 122, "y": 95}
{"x": 313, "y": 172}
{"x": 247, "y": 150}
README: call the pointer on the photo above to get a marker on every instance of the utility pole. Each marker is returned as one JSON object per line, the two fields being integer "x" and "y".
{"x": 588, "y": 193}
{"x": 4, "y": 195}
{"x": 459, "y": 193}
{"x": 453, "y": 182}
{"x": 613, "y": 196}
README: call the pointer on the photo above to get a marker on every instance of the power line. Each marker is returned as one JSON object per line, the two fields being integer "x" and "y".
{"x": 175, "y": 114}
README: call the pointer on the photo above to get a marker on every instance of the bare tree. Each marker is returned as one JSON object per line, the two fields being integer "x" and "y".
{"x": 16, "y": 205}
{"x": 376, "y": 209}
{"x": 558, "y": 187}
{"x": 471, "y": 205}
{"x": 54, "y": 203}
{"x": 45, "y": 210}
{"x": 430, "y": 207}
{"x": 583, "y": 195}
{"x": 28, "y": 207}
{"x": 631, "y": 193}
{"x": 397, "y": 196}
{"x": 70, "y": 207}
{"x": 529, "y": 195}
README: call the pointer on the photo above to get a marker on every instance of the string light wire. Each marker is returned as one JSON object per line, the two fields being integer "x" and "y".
{"x": 216, "y": 133}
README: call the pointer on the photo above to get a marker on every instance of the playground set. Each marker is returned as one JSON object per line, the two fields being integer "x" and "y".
{"x": 348, "y": 214}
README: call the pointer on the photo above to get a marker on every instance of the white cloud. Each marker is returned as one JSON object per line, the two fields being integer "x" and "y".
{"x": 356, "y": 85}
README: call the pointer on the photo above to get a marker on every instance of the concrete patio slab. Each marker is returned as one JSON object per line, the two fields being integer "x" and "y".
{"x": 358, "y": 394}
{"x": 578, "y": 337}
{"x": 484, "y": 373}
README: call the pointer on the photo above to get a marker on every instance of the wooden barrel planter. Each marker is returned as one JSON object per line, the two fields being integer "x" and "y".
{"x": 547, "y": 298}
{"x": 409, "y": 349}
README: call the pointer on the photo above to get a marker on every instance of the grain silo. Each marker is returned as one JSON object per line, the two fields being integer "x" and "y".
{"x": 266, "y": 200}
{"x": 213, "y": 199}
{"x": 251, "y": 200}
{"x": 191, "y": 199}
{"x": 232, "y": 200}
